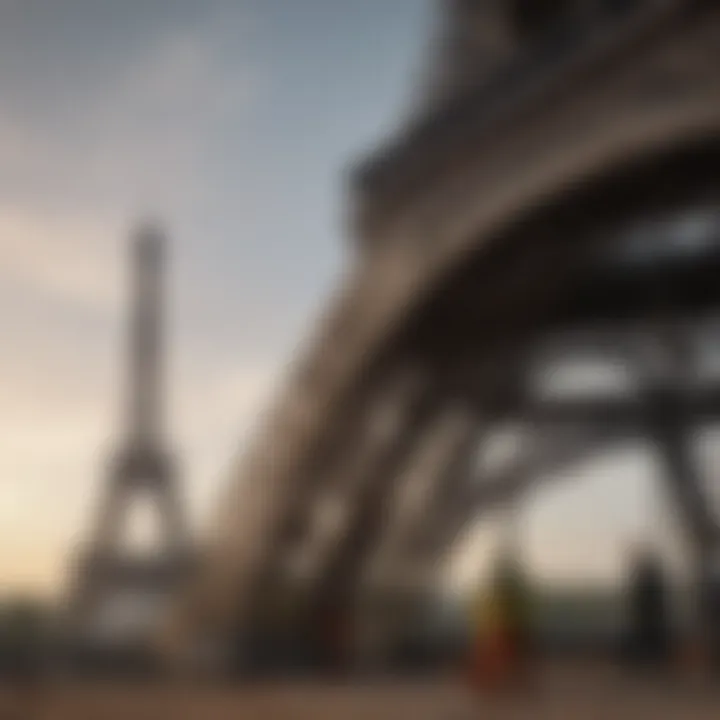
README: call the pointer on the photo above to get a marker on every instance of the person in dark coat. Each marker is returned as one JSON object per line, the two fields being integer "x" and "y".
{"x": 649, "y": 621}
{"x": 710, "y": 614}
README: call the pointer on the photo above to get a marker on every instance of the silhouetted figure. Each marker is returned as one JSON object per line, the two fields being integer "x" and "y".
{"x": 710, "y": 608}
{"x": 649, "y": 638}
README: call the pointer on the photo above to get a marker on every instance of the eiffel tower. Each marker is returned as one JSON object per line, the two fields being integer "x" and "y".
{"x": 143, "y": 469}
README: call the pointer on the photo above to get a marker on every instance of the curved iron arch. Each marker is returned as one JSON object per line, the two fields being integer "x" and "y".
{"x": 389, "y": 287}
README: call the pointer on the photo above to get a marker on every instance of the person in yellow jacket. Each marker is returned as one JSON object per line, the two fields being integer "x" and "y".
{"x": 501, "y": 629}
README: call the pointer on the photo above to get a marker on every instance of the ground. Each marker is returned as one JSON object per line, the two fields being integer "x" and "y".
{"x": 569, "y": 692}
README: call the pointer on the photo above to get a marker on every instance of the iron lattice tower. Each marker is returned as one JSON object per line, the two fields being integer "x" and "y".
{"x": 143, "y": 469}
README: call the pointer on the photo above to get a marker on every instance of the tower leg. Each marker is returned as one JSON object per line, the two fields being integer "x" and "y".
{"x": 674, "y": 437}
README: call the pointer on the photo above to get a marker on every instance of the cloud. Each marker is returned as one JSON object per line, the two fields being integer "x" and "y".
{"x": 153, "y": 130}
{"x": 142, "y": 141}
{"x": 61, "y": 256}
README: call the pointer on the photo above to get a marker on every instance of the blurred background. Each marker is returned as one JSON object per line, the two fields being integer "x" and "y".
{"x": 183, "y": 187}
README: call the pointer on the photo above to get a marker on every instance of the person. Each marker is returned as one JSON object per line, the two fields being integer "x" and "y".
{"x": 710, "y": 613}
{"x": 502, "y": 644}
{"x": 649, "y": 632}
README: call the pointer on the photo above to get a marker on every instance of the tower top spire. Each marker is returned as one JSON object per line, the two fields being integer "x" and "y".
{"x": 146, "y": 333}
{"x": 149, "y": 233}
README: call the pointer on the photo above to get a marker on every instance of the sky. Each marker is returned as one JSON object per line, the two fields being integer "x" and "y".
{"x": 234, "y": 123}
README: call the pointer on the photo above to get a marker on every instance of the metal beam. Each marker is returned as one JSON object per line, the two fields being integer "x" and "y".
{"x": 440, "y": 455}
{"x": 376, "y": 430}
{"x": 479, "y": 495}
{"x": 336, "y": 557}
{"x": 630, "y": 412}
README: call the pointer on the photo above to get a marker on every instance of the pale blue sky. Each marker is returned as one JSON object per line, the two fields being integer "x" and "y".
{"x": 234, "y": 121}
